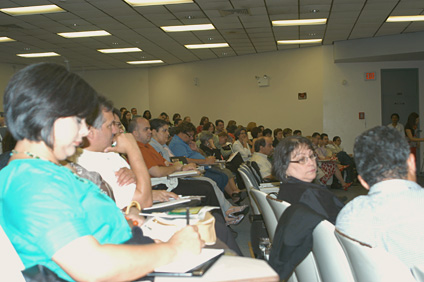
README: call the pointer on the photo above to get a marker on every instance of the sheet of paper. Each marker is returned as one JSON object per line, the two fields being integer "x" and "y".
{"x": 190, "y": 261}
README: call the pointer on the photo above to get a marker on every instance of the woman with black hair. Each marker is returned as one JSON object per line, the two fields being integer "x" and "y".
{"x": 411, "y": 133}
{"x": 126, "y": 119}
{"x": 147, "y": 115}
{"x": 52, "y": 216}
{"x": 296, "y": 167}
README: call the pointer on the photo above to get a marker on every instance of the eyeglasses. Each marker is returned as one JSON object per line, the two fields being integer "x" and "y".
{"x": 305, "y": 159}
{"x": 190, "y": 136}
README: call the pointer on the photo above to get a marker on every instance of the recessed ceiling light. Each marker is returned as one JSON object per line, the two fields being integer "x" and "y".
{"x": 38, "y": 55}
{"x": 84, "y": 34}
{"x": 32, "y": 10}
{"x": 194, "y": 27}
{"x": 6, "y": 39}
{"x": 405, "y": 18}
{"x": 302, "y": 41}
{"x": 145, "y": 62}
{"x": 156, "y": 2}
{"x": 120, "y": 50}
{"x": 314, "y": 11}
{"x": 299, "y": 22}
{"x": 203, "y": 46}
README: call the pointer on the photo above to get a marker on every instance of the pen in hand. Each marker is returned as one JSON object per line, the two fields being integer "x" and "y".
{"x": 188, "y": 215}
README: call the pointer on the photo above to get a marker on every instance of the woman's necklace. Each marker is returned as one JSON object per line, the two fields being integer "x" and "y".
{"x": 31, "y": 155}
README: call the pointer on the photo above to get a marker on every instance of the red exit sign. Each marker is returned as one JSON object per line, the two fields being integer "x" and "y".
{"x": 370, "y": 76}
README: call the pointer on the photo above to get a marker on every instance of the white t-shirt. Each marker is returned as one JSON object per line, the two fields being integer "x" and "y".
{"x": 106, "y": 164}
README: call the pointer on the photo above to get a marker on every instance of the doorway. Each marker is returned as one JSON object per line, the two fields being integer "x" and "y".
{"x": 399, "y": 94}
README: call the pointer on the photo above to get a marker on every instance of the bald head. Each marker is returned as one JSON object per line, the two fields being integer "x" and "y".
{"x": 140, "y": 128}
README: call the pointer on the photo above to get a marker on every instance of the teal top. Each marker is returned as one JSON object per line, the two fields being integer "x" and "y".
{"x": 45, "y": 206}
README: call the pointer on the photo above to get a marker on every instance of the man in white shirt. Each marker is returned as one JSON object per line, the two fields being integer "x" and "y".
{"x": 128, "y": 183}
{"x": 396, "y": 125}
{"x": 263, "y": 149}
{"x": 391, "y": 216}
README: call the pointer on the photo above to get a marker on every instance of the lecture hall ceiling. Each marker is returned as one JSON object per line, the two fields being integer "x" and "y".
{"x": 244, "y": 24}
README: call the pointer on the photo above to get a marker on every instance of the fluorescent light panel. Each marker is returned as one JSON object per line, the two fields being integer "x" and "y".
{"x": 32, "y": 10}
{"x": 145, "y": 62}
{"x": 302, "y": 41}
{"x": 84, "y": 34}
{"x": 405, "y": 18}
{"x": 156, "y": 2}
{"x": 203, "y": 46}
{"x": 194, "y": 27}
{"x": 6, "y": 39}
{"x": 38, "y": 55}
{"x": 299, "y": 22}
{"x": 120, "y": 50}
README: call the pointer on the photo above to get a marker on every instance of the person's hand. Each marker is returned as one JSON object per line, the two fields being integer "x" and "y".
{"x": 187, "y": 240}
{"x": 190, "y": 166}
{"x": 210, "y": 160}
{"x": 124, "y": 142}
{"x": 125, "y": 176}
{"x": 193, "y": 146}
{"x": 178, "y": 166}
{"x": 134, "y": 218}
{"x": 163, "y": 195}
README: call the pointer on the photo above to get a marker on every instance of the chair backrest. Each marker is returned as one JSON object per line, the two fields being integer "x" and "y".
{"x": 266, "y": 211}
{"x": 248, "y": 184}
{"x": 248, "y": 171}
{"x": 277, "y": 206}
{"x": 10, "y": 262}
{"x": 332, "y": 263}
{"x": 256, "y": 174}
{"x": 373, "y": 264}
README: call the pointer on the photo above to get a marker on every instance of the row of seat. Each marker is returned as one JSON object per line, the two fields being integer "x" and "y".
{"x": 334, "y": 256}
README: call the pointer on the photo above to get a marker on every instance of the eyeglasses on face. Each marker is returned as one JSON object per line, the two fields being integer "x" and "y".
{"x": 190, "y": 136}
{"x": 305, "y": 159}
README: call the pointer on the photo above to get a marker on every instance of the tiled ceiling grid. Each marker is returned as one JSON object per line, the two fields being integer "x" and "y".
{"x": 244, "y": 24}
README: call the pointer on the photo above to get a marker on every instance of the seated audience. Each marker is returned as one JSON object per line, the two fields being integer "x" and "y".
{"x": 126, "y": 119}
{"x": 278, "y": 136}
{"x": 164, "y": 116}
{"x": 203, "y": 121}
{"x": 391, "y": 216}
{"x": 267, "y": 132}
{"x": 295, "y": 166}
{"x": 297, "y": 132}
{"x": 231, "y": 130}
{"x": 182, "y": 145}
{"x": 122, "y": 110}
{"x": 158, "y": 141}
{"x": 395, "y": 123}
{"x": 287, "y": 132}
{"x": 175, "y": 117}
{"x": 52, "y": 216}
{"x": 147, "y": 115}
{"x": 241, "y": 144}
{"x": 134, "y": 113}
{"x": 187, "y": 119}
{"x": 219, "y": 126}
{"x": 223, "y": 145}
{"x": 341, "y": 155}
{"x": 328, "y": 163}
{"x": 263, "y": 149}
{"x": 249, "y": 128}
{"x": 159, "y": 167}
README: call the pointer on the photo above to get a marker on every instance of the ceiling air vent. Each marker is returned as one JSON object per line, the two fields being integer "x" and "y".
{"x": 235, "y": 12}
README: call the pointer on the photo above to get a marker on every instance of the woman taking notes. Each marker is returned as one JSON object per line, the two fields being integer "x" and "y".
{"x": 52, "y": 216}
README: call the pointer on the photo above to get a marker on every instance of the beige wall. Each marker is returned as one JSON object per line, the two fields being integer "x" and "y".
{"x": 342, "y": 103}
{"x": 228, "y": 89}
{"x": 126, "y": 88}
